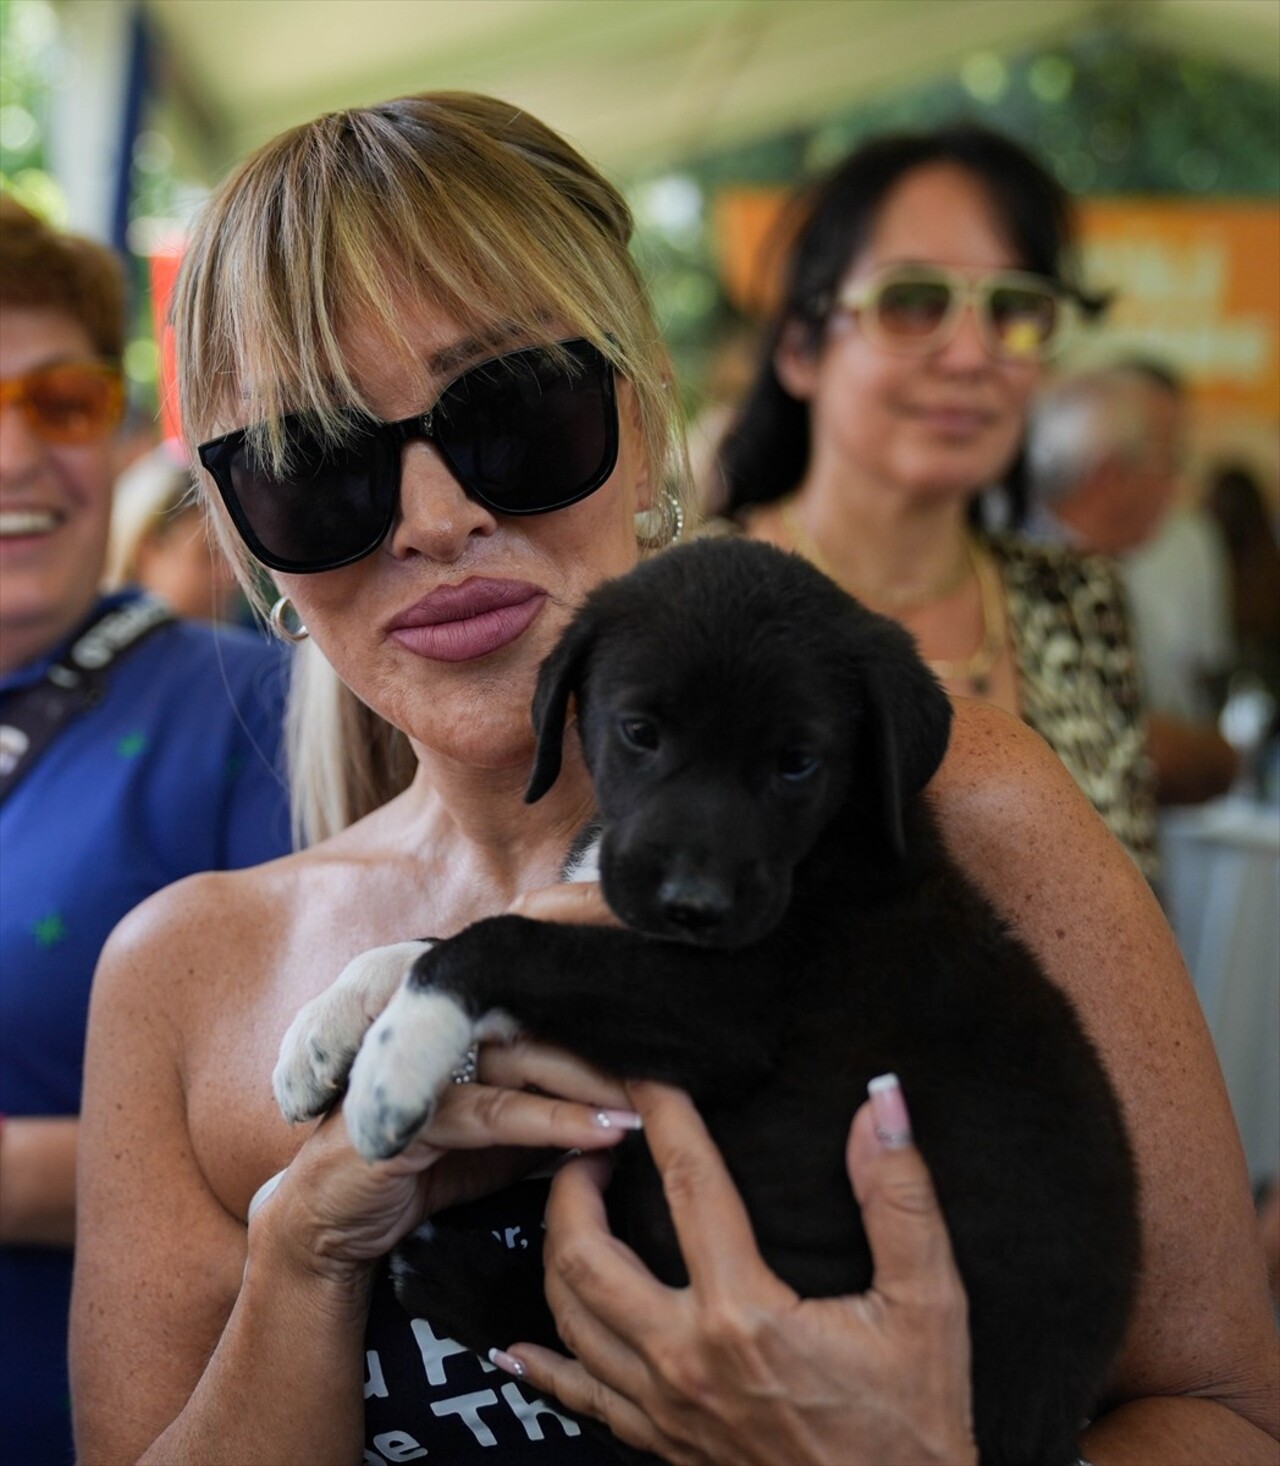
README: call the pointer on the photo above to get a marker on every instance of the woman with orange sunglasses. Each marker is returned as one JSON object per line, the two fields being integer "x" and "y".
{"x": 134, "y": 749}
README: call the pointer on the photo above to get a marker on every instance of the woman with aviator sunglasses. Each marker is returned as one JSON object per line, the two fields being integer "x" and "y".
{"x": 417, "y": 361}
{"x": 926, "y": 288}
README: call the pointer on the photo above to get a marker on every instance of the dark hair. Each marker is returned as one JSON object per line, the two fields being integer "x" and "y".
{"x": 766, "y": 452}
{"x": 42, "y": 268}
{"x": 1236, "y": 500}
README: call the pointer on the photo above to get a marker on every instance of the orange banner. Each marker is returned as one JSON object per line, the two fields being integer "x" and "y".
{"x": 164, "y": 275}
{"x": 1197, "y": 284}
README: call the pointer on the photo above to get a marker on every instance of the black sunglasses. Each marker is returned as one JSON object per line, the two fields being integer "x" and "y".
{"x": 525, "y": 433}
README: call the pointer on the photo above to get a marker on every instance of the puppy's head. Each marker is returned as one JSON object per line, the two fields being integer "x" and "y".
{"x": 732, "y": 701}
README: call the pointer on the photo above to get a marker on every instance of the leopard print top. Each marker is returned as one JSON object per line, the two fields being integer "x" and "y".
{"x": 1078, "y": 680}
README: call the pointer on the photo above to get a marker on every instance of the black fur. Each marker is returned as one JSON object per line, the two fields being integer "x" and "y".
{"x": 759, "y": 743}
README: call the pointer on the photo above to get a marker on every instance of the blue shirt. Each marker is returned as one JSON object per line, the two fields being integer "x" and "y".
{"x": 176, "y": 770}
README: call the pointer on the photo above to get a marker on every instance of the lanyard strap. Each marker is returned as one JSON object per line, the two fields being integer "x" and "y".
{"x": 76, "y": 681}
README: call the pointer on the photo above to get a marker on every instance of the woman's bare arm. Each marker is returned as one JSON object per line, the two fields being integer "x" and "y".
{"x": 1202, "y": 1329}
{"x": 161, "y": 1265}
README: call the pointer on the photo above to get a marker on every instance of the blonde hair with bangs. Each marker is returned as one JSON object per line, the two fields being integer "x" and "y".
{"x": 448, "y": 197}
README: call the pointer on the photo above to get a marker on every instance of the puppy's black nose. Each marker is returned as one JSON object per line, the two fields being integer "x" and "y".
{"x": 694, "y": 903}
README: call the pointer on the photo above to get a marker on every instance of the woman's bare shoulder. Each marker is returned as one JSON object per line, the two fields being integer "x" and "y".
{"x": 279, "y": 931}
{"x": 1004, "y": 799}
{"x": 993, "y": 754}
{"x": 206, "y": 930}
{"x": 223, "y": 901}
{"x": 1016, "y": 821}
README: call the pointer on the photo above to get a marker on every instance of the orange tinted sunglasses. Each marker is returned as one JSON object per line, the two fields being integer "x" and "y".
{"x": 68, "y": 402}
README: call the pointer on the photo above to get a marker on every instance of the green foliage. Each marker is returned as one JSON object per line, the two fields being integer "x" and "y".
{"x": 28, "y": 66}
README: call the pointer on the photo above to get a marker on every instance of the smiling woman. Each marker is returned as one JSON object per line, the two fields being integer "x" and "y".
{"x": 134, "y": 751}
{"x": 932, "y": 278}
{"x": 347, "y": 280}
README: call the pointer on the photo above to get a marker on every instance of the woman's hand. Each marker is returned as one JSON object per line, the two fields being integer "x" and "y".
{"x": 736, "y": 1367}
{"x": 341, "y": 1212}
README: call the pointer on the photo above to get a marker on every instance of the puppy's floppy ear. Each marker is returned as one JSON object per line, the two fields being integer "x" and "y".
{"x": 559, "y": 677}
{"x": 906, "y": 723}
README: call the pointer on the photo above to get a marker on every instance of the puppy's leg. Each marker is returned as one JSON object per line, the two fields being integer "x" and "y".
{"x": 407, "y": 1060}
{"x": 321, "y": 1042}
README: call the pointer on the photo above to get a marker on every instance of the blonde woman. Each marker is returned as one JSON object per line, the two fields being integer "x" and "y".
{"x": 428, "y": 394}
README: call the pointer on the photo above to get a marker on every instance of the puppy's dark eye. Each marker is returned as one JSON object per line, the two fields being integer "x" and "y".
{"x": 797, "y": 764}
{"x": 639, "y": 733}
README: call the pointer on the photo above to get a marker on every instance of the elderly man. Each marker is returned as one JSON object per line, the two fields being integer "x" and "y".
{"x": 1103, "y": 455}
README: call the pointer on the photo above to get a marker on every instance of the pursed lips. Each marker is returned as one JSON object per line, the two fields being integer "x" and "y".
{"x": 458, "y": 623}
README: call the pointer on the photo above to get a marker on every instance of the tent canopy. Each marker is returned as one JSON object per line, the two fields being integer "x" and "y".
{"x": 638, "y": 84}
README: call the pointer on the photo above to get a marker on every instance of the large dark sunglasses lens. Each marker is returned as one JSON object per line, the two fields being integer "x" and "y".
{"x": 531, "y": 431}
{"x": 329, "y": 505}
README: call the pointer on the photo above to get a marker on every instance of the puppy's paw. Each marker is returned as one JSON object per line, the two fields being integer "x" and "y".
{"x": 404, "y": 1064}
{"x": 321, "y": 1042}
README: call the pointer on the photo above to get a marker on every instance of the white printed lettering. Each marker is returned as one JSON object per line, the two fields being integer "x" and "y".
{"x": 469, "y": 1407}
{"x": 434, "y": 1351}
{"x": 527, "y": 1412}
{"x": 374, "y": 1382}
{"x": 396, "y": 1445}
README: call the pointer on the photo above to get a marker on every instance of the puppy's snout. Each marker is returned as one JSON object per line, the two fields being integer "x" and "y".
{"x": 695, "y": 903}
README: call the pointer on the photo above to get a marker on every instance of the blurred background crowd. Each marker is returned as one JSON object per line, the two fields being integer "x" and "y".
{"x": 1154, "y": 436}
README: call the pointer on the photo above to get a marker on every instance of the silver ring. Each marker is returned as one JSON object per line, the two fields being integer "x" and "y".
{"x": 465, "y": 1073}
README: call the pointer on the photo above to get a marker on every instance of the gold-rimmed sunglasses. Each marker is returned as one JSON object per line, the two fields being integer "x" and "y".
{"x": 916, "y": 309}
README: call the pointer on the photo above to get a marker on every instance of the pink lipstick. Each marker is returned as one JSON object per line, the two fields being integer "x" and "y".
{"x": 459, "y": 623}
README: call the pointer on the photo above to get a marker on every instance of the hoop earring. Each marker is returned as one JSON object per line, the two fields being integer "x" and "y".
{"x": 281, "y": 628}
{"x": 662, "y": 525}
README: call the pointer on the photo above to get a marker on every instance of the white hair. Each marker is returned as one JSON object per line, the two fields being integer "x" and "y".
{"x": 1081, "y": 421}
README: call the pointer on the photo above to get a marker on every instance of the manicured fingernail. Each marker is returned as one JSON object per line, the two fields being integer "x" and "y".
{"x": 617, "y": 1120}
{"x": 500, "y": 1359}
{"x": 889, "y": 1110}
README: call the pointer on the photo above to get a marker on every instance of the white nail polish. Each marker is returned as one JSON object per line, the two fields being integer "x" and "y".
{"x": 617, "y": 1120}
{"x": 500, "y": 1359}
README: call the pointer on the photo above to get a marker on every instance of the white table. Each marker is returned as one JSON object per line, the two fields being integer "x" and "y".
{"x": 1221, "y": 886}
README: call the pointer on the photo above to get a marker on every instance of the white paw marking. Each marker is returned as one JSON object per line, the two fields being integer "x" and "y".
{"x": 406, "y": 1061}
{"x": 317, "y": 1051}
{"x": 495, "y": 1027}
{"x": 585, "y": 866}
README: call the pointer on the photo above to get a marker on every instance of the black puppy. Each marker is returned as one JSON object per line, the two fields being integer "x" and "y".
{"x": 758, "y": 743}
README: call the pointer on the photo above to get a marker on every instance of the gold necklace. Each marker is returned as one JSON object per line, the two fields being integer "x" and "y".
{"x": 975, "y": 669}
{"x": 890, "y": 603}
